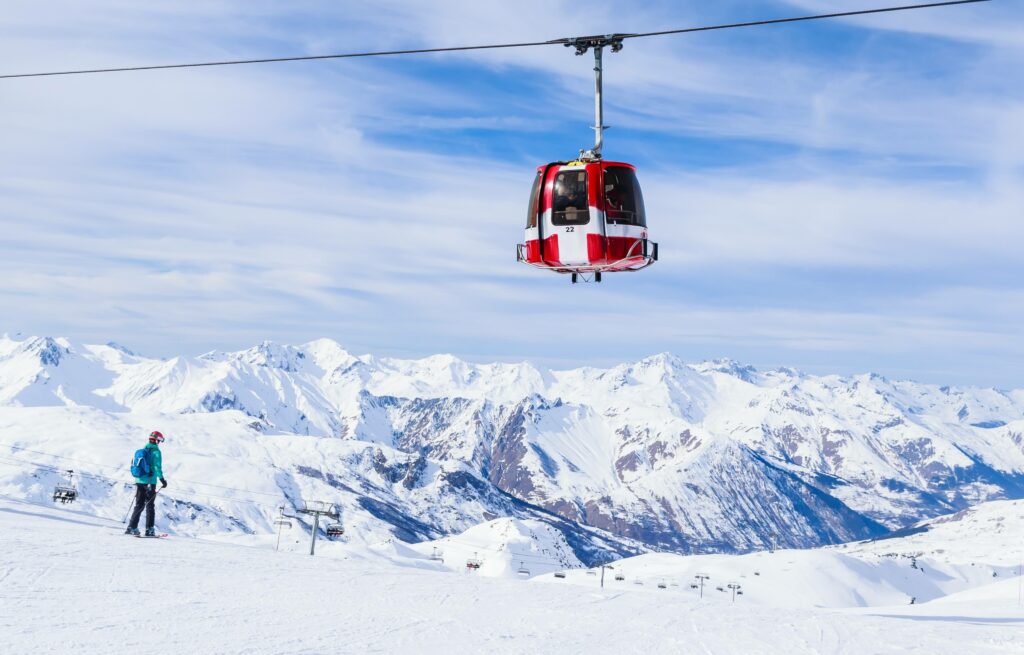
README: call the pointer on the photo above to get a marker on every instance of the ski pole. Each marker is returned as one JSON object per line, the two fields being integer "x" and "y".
{"x": 125, "y": 519}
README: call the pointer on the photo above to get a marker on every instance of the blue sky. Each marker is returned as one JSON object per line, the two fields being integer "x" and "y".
{"x": 839, "y": 196}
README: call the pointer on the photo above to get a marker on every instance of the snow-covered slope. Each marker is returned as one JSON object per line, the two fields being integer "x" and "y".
{"x": 708, "y": 457}
{"x": 989, "y": 534}
{"x": 227, "y": 477}
{"x": 69, "y": 582}
{"x": 504, "y": 548}
{"x": 944, "y": 557}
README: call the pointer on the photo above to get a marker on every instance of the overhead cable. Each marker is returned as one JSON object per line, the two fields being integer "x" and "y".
{"x": 566, "y": 41}
{"x": 119, "y": 470}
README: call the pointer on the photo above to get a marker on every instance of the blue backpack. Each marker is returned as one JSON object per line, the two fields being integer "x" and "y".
{"x": 140, "y": 463}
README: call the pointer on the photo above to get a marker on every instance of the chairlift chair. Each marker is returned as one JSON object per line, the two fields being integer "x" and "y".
{"x": 66, "y": 492}
{"x": 473, "y": 563}
{"x": 638, "y": 582}
{"x": 560, "y": 574}
{"x": 591, "y": 572}
{"x": 620, "y": 577}
{"x": 436, "y": 555}
{"x": 335, "y": 530}
{"x": 281, "y": 520}
{"x": 662, "y": 585}
{"x": 522, "y": 570}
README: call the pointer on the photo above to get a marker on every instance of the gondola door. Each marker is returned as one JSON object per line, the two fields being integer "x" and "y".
{"x": 571, "y": 215}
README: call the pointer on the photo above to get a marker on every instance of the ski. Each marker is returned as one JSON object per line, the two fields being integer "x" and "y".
{"x": 160, "y": 535}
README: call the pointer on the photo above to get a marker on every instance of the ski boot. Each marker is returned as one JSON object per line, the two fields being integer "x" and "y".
{"x": 132, "y": 531}
{"x": 150, "y": 532}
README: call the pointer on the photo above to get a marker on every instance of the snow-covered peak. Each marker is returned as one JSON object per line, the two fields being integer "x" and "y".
{"x": 446, "y": 376}
{"x": 727, "y": 366}
{"x": 274, "y": 355}
{"x": 664, "y": 360}
{"x": 46, "y": 371}
{"x": 48, "y": 351}
{"x": 328, "y": 354}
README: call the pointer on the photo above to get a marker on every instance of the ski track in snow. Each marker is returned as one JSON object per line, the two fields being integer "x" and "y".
{"x": 71, "y": 586}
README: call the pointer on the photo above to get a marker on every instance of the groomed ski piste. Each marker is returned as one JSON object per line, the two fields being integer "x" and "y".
{"x": 72, "y": 582}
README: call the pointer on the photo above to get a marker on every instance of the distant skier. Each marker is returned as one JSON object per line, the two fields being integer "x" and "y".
{"x": 147, "y": 467}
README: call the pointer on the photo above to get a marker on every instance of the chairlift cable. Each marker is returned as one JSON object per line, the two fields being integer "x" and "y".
{"x": 63, "y": 509}
{"x": 104, "y": 478}
{"x": 115, "y": 468}
{"x": 565, "y": 41}
{"x": 178, "y": 492}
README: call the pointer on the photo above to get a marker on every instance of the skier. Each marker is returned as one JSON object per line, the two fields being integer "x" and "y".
{"x": 147, "y": 467}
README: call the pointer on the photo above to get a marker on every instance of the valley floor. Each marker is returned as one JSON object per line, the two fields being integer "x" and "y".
{"x": 72, "y": 583}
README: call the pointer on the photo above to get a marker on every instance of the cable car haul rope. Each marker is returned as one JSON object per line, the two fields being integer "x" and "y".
{"x": 571, "y": 41}
{"x": 586, "y": 216}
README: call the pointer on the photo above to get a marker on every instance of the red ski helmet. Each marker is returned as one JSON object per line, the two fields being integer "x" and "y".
{"x": 156, "y": 437}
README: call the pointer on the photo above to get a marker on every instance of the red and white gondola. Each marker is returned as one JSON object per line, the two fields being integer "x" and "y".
{"x": 587, "y": 216}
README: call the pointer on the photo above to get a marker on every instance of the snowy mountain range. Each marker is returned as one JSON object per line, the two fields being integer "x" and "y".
{"x": 657, "y": 454}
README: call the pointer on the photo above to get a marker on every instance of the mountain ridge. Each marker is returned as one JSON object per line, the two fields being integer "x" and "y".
{"x": 658, "y": 451}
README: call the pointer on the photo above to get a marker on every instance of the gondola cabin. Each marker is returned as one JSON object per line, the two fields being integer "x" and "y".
{"x": 587, "y": 217}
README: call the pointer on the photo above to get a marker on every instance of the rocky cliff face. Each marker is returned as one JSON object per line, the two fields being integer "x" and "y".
{"x": 686, "y": 457}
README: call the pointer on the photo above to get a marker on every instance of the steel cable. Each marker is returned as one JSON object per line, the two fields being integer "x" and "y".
{"x": 566, "y": 41}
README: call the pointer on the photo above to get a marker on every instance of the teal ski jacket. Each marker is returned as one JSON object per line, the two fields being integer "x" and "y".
{"x": 156, "y": 470}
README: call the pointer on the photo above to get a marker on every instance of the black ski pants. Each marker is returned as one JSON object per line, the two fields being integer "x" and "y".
{"x": 145, "y": 497}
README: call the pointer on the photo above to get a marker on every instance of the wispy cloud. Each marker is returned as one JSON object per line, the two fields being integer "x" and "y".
{"x": 843, "y": 198}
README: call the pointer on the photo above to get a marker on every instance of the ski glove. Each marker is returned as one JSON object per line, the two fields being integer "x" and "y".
{"x": 163, "y": 483}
